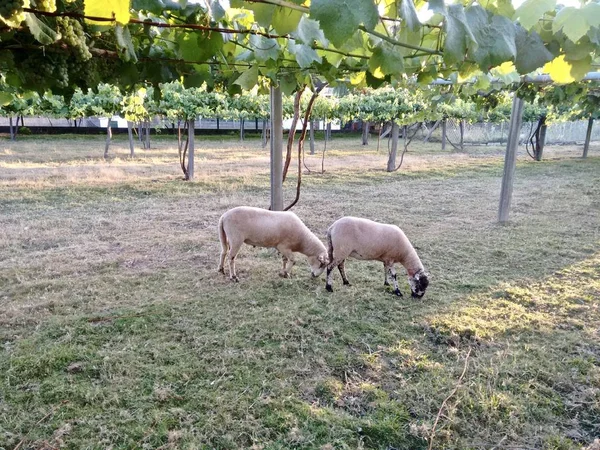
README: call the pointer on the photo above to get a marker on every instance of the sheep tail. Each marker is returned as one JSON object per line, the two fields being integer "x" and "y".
{"x": 329, "y": 246}
{"x": 223, "y": 236}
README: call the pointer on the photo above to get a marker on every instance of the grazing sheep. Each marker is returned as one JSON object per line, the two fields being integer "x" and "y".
{"x": 262, "y": 228}
{"x": 368, "y": 240}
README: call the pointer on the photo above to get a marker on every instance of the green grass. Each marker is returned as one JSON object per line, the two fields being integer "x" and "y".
{"x": 117, "y": 332}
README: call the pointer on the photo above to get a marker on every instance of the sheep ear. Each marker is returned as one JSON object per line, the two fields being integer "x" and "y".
{"x": 322, "y": 259}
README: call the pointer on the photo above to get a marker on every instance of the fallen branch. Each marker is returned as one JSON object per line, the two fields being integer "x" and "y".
{"x": 458, "y": 383}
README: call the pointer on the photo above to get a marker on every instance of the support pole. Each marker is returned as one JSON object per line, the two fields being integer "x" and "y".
{"x": 276, "y": 149}
{"x": 130, "y": 135}
{"x": 191, "y": 124}
{"x": 510, "y": 159}
{"x": 443, "y": 134}
{"x": 588, "y": 137}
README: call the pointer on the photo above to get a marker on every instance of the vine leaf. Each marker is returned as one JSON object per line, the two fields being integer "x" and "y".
{"x": 248, "y": 79}
{"x": 531, "y": 53}
{"x": 408, "y": 13}
{"x": 458, "y": 34}
{"x": 40, "y": 31}
{"x": 264, "y": 48}
{"x": 5, "y": 98}
{"x": 124, "y": 41}
{"x": 308, "y": 32}
{"x": 339, "y": 19}
{"x": 286, "y": 20}
{"x": 495, "y": 36}
{"x": 305, "y": 55}
{"x": 107, "y": 8}
{"x": 531, "y": 11}
{"x": 386, "y": 60}
{"x": 563, "y": 71}
{"x": 572, "y": 22}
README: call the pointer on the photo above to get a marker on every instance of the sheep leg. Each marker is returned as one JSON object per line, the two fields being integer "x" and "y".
{"x": 342, "y": 269}
{"x": 233, "y": 251}
{"x": 224, "y": 250}
{"x": 395, "y": 280}
{"x": 385, "y": 275}
{"x": 288, "y": 262}
{"x": 332, "y": 265}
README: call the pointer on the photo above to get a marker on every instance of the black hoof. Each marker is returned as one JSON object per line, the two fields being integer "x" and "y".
{"x": 347, "y": 283}
{"x": 398, "y": 293}
{"x": 235, "y": 279}
{"x": 386, "y": 283}
{"x": 329, "y": 288}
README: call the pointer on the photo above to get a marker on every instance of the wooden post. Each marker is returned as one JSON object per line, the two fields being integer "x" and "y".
{"x": 147, "y": 145}
{"x": 276, "y": 149}
{"x": 510, "y": 159}
{"x": 191, "y": 124}
{"x": 130, "y": 134}
{"x": 12, "y": 131}
{"x": 108, "y": 137}
{"x": 391, "y": 165}
{"x": 365, "y": 132}
{"x": 242, "y": 129}
{"x": 588, "y": 137}
{"x": 443, "y": 134}
{"x": 312, "y": 137}
{"x": 462, "y": 134}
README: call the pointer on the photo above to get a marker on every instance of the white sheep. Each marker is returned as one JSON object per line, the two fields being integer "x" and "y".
{"x": 277, "y": 229}
{"x": 364, "y": 239}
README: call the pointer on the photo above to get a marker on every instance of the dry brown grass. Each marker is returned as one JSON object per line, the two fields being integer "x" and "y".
{"x": 112, "y": 265}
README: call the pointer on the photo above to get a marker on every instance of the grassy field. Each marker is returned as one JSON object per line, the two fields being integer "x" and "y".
{"x": 117, "y": 331}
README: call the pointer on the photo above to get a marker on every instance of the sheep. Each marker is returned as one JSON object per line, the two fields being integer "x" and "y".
{"x": 278, "y": 229}
{"x": 368, "y": 240}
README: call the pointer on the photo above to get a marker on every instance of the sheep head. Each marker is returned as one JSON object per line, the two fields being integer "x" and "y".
{"x": 418, "y": 283}
{"x": 318, "y": 264}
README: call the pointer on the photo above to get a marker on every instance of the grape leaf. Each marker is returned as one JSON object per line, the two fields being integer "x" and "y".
{"x": 438, "y": 6}
{"x": 531, "y": 53}
{"x": 248, "y": 79}
{"x": 386, "y": 60}
{"x": 339, "y": 19}
{"x": 124, "y": 40}
{"x": 305, "y": 55}
{"x": 572, "y": 22}
{"x": 5, "y": 98}
{"x": 408, "y": 13}
{"x": 563, "y": 72}
{"x": 495, "y": 36}
{"x": 458, "y": 34}
{"x": 208, "y": 45}
{"x": 308, "y": 31}
{"x": 119, "y": 9}
{"x": 263, "y": 13}
{"x": 264, "y": 48}
{"x": 531, "y": 11}
{"x": 40, "y": 31}
{"x": 285, "y": 20}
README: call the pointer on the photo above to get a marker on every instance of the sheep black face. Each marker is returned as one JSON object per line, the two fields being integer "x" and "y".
{"x": 418, "y": 284}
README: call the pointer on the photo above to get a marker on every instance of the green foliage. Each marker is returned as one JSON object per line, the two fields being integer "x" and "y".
{"x": 341, "y": 41}
{"x": 179, "y": 103}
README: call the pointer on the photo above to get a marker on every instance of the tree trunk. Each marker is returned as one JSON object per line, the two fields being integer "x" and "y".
{"x": 328, "y": 131}
{"x": 444, "y": 138}
{"x": 130, "y": 134}
{"x": 365, "y": 132}
{"x": 140, "y": 133}
{"x": 13, "y": 135}
{"x": 435, "y": 125}
{"x": 147, "y": 140}
{"x": 462, "y": 134}
{"x": 312, "y": 137}
{"x": 391, "y": 165}
{"x": 264, "y": 134}
{"x": 108, "y": 138}
{"x": 190, "y": 169}
{"x": 242, "y": 130}
{"x": 588, "y": 137}
{"x": 292, "y": 133}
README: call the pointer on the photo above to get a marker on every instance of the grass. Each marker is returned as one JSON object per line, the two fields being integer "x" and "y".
{"x": 117, "y": 331}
